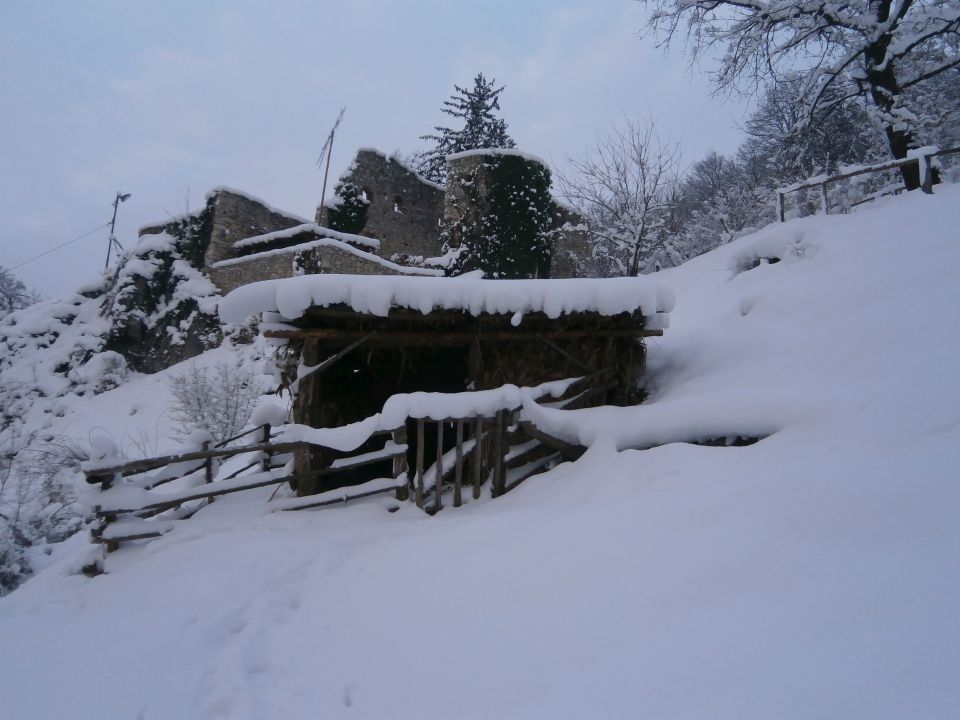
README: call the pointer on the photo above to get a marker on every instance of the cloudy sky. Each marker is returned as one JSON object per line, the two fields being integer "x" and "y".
{"x": 168, "y": 100}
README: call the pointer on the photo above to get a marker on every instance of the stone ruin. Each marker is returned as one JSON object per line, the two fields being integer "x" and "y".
{"x": 244, "y": 240}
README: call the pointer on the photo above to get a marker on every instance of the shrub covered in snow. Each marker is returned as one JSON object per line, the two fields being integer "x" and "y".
{"x": 218, "y": 400}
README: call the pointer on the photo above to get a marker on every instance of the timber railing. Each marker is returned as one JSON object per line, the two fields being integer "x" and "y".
{"x": 494, "y": 447}
{"x": 923, "y": 161}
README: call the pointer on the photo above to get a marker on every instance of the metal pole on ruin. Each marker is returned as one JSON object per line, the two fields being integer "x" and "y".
{"x": 112, "y": 239}
{"x": 326, "y": 152}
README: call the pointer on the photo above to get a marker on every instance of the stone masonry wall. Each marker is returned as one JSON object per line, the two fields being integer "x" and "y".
{"x": 276, "y": 265}
{"x": 236, "y": 217}
{"x": 404, "y": 208}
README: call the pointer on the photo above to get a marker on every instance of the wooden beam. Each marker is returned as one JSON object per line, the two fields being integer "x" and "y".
{"x": 458, "y": 471}
{"x": 429, "y": 338}
{"x": 569, "y": 451}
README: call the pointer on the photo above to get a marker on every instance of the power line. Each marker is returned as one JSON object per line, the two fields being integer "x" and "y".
{"x": 59, "y": 247}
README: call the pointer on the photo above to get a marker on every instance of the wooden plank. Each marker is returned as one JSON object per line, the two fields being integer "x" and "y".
{"x": 174, "y": 499}
{"x": 137, "y": 466}
{"x": 317, "y": 369}
{"x": 341, "y": 496}
{"x": 569, "y": 451}
{"x": 458, "y": 468}
{"x": 432, "y": 338}
{"x": 208, "y": 468}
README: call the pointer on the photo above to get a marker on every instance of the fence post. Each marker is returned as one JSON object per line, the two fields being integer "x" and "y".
{"x": 477, "y": 456}
{"x": 458, "y": 469}
{"x": 438, "y": 480}
{"x": 208, "y": 469}
{"x": 498, "y": 456}
{"x": 781, "y": 205}
{"x": 419, "y": 490}
{"x": 266, "y": 456}
{"x": 927, "y": 185}
{"x": 400, "y": 462}
{"x": 825, "y": 198}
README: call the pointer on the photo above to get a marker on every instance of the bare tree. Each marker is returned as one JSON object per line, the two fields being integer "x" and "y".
{"x": 875, "y": 49}
{"x": 13, "y": 293}
{"x": 218, "y": 400}
{"x": 623, "y": 186}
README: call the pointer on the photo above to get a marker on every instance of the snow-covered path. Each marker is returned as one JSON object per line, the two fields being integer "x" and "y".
{"x": 813, "y": 574}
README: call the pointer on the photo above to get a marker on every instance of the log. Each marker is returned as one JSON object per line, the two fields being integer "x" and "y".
{"x": 477, "y": 457}
{"x": 437, "y": 505}
{"x": 419, "y": 490}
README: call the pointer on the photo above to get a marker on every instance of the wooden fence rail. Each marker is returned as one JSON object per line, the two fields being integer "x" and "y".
{"x": 487, "y": 448}
{"x": 924, "y": 165}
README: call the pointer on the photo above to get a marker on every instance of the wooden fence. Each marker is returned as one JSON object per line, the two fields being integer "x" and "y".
{"x": 494, "y": 449}
{"x": 924, "y": 165}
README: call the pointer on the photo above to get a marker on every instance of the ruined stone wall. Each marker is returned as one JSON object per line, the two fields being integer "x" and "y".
{"x": 571, "y": 245}
{"x": 276, "y": 265}
{"x": 235, "y": 217}
{"x": 404, "y": 209}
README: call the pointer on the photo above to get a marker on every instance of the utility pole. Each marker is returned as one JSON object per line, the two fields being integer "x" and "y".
{"x": 326, "y": 152}
{"x": 112, "y": 240}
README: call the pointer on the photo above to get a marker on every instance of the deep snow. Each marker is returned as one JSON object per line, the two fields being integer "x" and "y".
{"x": 813, "y": 574}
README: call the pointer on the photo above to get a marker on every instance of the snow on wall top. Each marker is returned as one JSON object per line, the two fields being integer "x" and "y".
{"x": 319, "y": 230}
{"x": 497, "y": 151}
{"x": 254, "y": 198}
{"x": 376, "y": 295}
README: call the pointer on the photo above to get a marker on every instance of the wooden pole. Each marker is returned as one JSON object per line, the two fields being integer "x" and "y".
{"x": 927, "y": 186}
{"x": 825, "y": 198}
{"x": 439, "y": 477}
{"x": 265, "y": 461}
{"x": 498, "y": 455}
{"x": 208, "y": 469}
{"x": 458, "y": 469}
{"x": 419, "y": 491}
{"x": 781, "y": 205}
{"x": 477, "y": 456}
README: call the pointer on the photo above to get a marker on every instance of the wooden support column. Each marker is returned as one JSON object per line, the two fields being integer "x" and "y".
{"x": 458, "y": 469}
{"x": 825, "y": 198}
{"x": 781, "y": 206}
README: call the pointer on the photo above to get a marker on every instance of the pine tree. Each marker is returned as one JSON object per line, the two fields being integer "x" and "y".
{"x": 481, "y": 128}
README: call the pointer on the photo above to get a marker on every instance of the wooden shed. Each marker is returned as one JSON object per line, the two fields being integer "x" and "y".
{"x": 353, "y": 343}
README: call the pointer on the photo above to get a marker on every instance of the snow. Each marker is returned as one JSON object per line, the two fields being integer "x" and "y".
{"x": 510, "y": 152}
{"x": 342, "y": 246}
{"x": 814, "y": 574}
{"x": 376, "y": 295}
{"x": 318, "y": 230}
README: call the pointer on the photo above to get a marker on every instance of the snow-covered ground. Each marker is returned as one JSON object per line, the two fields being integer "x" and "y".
{"x": 814, "y": 574}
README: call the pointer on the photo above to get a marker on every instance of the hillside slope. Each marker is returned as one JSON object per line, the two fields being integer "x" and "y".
{"x": 815, "y": 573}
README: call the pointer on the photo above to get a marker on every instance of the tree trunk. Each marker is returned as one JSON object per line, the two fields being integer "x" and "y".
{"x": 884, "y": 92}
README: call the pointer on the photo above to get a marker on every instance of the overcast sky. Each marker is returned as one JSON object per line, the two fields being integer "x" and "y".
{"x": 166, "y": 100}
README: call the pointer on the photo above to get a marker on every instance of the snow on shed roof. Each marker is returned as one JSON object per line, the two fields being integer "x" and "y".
{"x": 376, "y": 295}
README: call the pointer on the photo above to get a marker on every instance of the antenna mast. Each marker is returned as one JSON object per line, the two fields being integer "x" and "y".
{"x": 112, "y": 240}
{"x": 326, "y": 152}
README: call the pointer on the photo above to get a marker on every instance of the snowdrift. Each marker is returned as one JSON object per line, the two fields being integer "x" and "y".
{"x": 815, "y": 573}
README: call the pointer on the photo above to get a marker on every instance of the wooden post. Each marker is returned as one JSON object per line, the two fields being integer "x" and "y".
{"x": 458, "y": 469}
{"x": 419, "y": 491}
{"x": 927, "y": 186}
{"x": 439, "y": 476}
{"x": 266, "y": 457}
{"x": 400, "y": 462}
{"x": 498, "y": 455}
{"x": 825, "y": 198}
{"x": 477, "y": 456}
{"x": 208, "y": 469}
{"x": 781, "y": 206}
